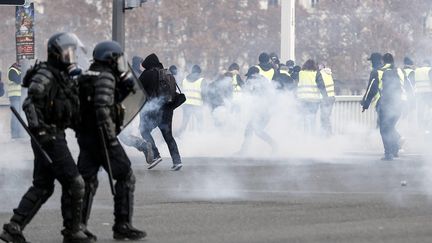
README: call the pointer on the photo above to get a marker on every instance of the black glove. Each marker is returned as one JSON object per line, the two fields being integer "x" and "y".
{"x": 44, "y": 138}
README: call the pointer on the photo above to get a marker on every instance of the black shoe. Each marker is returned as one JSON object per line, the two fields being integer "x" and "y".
{"x": 90, "y": 235}
{"x": 126, "y": 231}
{"x": 12, "y": 233}
{"x": 75, "y": 237}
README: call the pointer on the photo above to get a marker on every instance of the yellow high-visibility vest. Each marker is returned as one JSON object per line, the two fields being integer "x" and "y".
{"x": 422, "y": 81}
{"x": 13, "y": 88}
{"x": 378, "y": 95}
{"x": 329, "y": 83}
{"x": 401, "y": 75}
{"x": 267, "y": 74}
{"x": 285, "y": 72}
{"x": 236, "y": 87}
{"x": 307, "y": 88}
{"x": 192, "y": 91}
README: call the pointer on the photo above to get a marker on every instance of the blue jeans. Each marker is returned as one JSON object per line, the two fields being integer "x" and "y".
{"x": 15, "y": 126}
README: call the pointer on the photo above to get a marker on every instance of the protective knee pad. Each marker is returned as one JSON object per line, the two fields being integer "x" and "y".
{"x": 91, "y": 185}
{"x": 72, "y": 199}
{"x": 76, "y": 188}
{"x": 123, "y": 200}
{"x": 31, "y": 203}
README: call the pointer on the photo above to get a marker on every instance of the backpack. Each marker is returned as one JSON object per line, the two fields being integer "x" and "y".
{"x": 167, "y": 85}
{"x": 167, "y": 90}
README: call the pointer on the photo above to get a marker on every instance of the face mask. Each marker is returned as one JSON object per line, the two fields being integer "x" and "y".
{"x": 74, "y": 70}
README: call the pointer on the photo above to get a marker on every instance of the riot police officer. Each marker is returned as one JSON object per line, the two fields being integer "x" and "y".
{"x": 102, "y": 89}
{"x": 51, "y": 106}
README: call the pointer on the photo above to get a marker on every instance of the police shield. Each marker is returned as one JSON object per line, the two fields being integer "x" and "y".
{"x": 134, "y": 102}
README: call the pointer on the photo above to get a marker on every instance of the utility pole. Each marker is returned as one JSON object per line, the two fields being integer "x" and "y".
{"x": 288, "y": 30}
{"x": 118, "y": 18}
{"x": 118, "y": 22}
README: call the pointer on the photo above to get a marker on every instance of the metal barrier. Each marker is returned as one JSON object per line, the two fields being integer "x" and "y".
{"x": 347, "y": 113}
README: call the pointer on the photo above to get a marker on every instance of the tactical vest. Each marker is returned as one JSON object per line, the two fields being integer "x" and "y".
{"x": 14, "y": 89}
{"x": 192, "y": 90}
{"x": 267, "y": 74}
{"x": 87, "y": 94}
{"x": 422, "y": 81}
{"x": 307, "y": 89}
{"x": 60, "y": 104}
{"x": 329, "y": 83}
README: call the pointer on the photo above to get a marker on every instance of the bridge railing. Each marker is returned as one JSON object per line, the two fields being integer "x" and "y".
{"x": 347, "y": 113}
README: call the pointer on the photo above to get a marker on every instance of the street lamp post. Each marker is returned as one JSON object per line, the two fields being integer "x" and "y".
{"x": 288, "y": 29}
{"x": 118, "y": 18}
{"x": 118, "y": 22}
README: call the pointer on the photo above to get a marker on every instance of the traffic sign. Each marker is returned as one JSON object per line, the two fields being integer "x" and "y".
{"x": 12, "y": 2}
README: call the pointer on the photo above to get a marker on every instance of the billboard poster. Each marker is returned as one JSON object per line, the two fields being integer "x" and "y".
{"x": 24, "y": 35}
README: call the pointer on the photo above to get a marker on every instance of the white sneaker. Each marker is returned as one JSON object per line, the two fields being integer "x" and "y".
{"x": 155, "y": 162}
{"x": 176, "y": 167}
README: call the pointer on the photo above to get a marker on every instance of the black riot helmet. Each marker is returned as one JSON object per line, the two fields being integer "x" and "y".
{"x": 62, "y": 52}
{"x": 110, "y": 53}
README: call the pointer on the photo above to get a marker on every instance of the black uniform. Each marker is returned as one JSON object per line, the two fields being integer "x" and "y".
{"x": 51, "y": 106}
{"x": 101, "y": 96}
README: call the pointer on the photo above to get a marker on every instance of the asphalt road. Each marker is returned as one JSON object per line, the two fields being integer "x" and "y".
{"x": 355, "y": 198}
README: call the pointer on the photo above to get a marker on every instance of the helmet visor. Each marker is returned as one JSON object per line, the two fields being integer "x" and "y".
{"x": 69, "y": 55}
{"x": 122, "y": 65}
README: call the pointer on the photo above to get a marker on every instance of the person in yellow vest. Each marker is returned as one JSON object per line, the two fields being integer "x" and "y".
{"x": 192, "y": 87}
{"x": 423, "y": 92}
{"x": 311, "y": 89}
{"x": 389, "y": 83}
{"x": 14, "y": 94}
{"x": 372, "y": 95}
{"x": 409, "y": 75}
{"x": 326, "y": 105}
{"x": 265, "y": 67}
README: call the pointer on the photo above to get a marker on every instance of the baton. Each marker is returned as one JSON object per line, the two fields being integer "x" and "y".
{"x": 107, "y": 159}
{"x": 33, "y": 138}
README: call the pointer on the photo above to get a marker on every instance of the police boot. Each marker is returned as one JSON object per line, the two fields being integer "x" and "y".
{"x": 125, "y": 231}
{"x": 24, "y": 213}
{"x": 91, "y": 185}
{"x": 123, "y": 210}
{"x": 72, "y": 199}
{"x": 12, "y": 233}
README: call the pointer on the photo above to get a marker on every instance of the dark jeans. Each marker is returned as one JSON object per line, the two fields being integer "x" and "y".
{"x": 162, "y": 119}
{"x": 326, "y": 108}
{"x": 15, "y": 126}
{"x": 388, "y": 119}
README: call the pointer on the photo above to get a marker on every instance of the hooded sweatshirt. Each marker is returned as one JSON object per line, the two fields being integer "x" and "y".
{"x": 149, "y": 77}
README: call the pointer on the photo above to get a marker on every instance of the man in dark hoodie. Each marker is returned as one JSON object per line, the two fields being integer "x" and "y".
{"x": 157, "y": 112}
{"x": 193, "y": 87}
{"x": 265, "y": 67}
